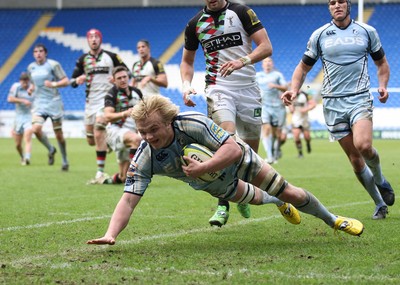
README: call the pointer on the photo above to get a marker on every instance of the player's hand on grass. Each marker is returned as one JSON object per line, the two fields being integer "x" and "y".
{"x": 103, "y": 240}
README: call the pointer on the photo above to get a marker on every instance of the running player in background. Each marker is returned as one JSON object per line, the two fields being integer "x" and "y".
{"x": 95, "y": 70}
{"x": 22, "y": 128}
{"x": 233, "y": 96}
{"x": 343, "y": 46}
{"x": 47, "y": 75}
{"x": 300, "y": 122}
{"x": 272, "y": 84}
{"x": 148, "y": 72}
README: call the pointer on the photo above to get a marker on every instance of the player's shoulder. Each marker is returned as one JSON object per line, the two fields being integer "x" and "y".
{"x": 137, "y": 91}
{"x": 53, "y": 62}
{"x": 193, "y": 21}
{"x": 111, "y": 54}
{"x": 14, "y": 87}
{"x": 237, "y": 7}
{"x": 364, "y": 26}
{"x": 154, "y": 60}
{"x": 190, "y": 114}
{"x": 277, "y": 73}
{"x": 322, "y": 28}
{"x": 136, "y": 63}
{"x": 113, "y": 90}
{"x": 143, "y": 152}
{"x": 83, "y": 56}
{"x": 31, "y": 65}
{"x": 191, "y": 117}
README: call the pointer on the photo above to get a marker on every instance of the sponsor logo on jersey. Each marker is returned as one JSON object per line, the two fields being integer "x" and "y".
{"x": 253, "y": 17}
{"x": 217, "y": 130}
{"x": 332, "y": 42}
{"x": 222, "y": 42}
{"x": 331, "y": 33}
{"x": 130, "y": 173}
{"x": 98, "y": 70}
{"x": 257, "y": 112}
{"x": 230, "y": 19}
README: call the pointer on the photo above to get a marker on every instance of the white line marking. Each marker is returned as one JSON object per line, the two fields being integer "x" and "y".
{"x": 70, "y": 251}
{"x": 35, "y": 226}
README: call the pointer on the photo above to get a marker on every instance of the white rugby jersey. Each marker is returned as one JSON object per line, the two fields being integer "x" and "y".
{"x": 151, "y": 67}
{"x": 298, "y": 117}
{"x": 97, "y": 70}
{"x": 224, "y": 36}
{"x": 344, "y": 56}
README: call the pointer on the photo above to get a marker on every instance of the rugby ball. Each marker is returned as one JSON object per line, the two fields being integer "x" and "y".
{"x": 200, "y": 153}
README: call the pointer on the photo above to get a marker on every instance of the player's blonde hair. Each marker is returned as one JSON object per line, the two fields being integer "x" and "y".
{"x": 155, "y": 103}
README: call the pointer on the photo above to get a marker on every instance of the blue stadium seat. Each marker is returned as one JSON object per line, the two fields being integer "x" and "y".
{"x": 161, "y": 26}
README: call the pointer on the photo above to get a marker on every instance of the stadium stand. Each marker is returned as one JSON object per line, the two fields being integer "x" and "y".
{"x": 123, "y": 27}
{"x": 15, "y": 24}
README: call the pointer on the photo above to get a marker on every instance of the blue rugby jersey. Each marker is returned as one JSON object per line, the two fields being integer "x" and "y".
{"x": 344, "y": 56}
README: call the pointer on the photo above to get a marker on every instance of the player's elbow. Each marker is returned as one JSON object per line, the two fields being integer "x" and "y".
{"x": 235, "y": 152}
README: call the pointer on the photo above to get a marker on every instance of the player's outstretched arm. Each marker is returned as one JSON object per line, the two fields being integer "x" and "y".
{"x": 119, "y": 219}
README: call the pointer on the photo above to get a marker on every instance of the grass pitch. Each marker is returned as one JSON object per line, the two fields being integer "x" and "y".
{"x": 46, "y": 216}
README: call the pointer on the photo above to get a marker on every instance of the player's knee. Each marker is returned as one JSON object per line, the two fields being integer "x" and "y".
{"x": 248, "y": 195}
{"x": 90, "y": 139}
{"x": 273, "y": 183}
{"x": 100, "y": 126}
{"x": 365, "y": 148}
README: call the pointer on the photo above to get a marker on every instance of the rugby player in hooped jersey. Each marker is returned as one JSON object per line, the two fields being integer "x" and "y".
{"x": 343, "y": 45}
{"x": 95, "y": 69}
{"x": 226, "y": 32}
{"x": 246, "y": 176}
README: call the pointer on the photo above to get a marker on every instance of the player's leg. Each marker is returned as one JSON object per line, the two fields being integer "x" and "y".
{"x": 281, "y": 117}
{"x": 307, "y": 137}
{"x": 340, "y": 119}
{"x": 17, "y": 135}
{"x": 123, "y": 165}
{"x": 296, "y": 131}
{"x": 247, "y": 193}
{"x": 57, "y": 127}
{"x": 131, "y": 141}
{"x": 124, "y": 151}
{"x": 37, "y": 128}
{"x": 89, "y": 121}
{"x": 362, "y": 137}
{"x": 267, "y": 141}
{"x": 100, "y": 143}
{"x": 275, "y": 185}
{"x": 248, "y": 125}
{"x": 364, "y": 175}
{"x": 28, "y": 142}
